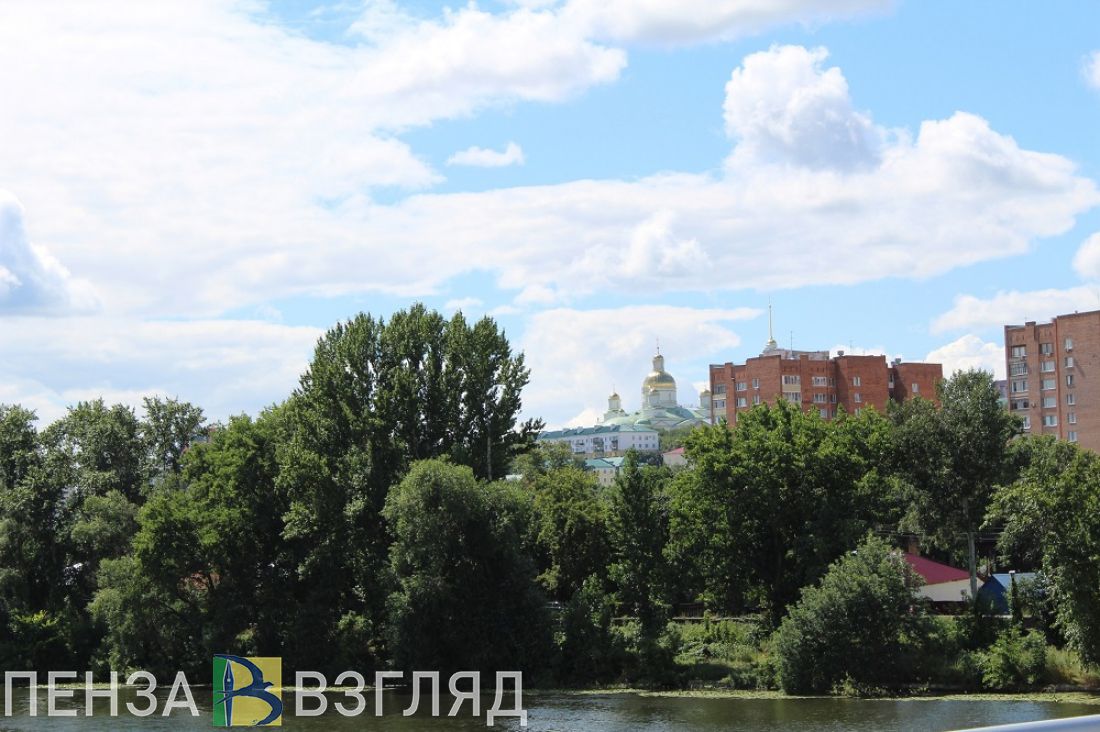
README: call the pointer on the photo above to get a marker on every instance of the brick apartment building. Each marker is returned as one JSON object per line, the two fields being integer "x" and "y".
{"x": 816, "y": 381}
{"x": 1049, "y": 367}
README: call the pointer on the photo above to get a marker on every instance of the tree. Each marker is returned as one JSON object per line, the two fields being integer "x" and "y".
{"x": 166, "y": 432}
{"x": 767, "y": 506}
{"x": 466, "y": 595}
{"x": 572, "y": 530}
{"x": 861, "y": 623}
{"x": 1052, "y": 514}
{"x": 638, "y": 531}
{"x": 953, "y": 457}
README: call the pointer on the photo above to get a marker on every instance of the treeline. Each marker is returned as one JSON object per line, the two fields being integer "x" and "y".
{"x": 364, "y": 523}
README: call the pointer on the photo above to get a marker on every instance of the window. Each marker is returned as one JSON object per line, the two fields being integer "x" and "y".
{"x": 1027, "y": 423}
{"x": 832, "y": 381}
{"x": 890, "y": 383}
{"x": 1049, "y": 402}
{"x": 916, "y": 388}
{"x": 742, "y": 402}
{"x": 1069, "y": 344}
{"x": 1072, "y": 417}
{"x": 742, "y": 386}
{"x": 756, "y": 383}
{"x": 824, "y": 412}
{"x": 857, "y": 381}
{"x": 755, "y": 399}
{"x": 1019, "y": 351}
{"x": 1072, "y": 436}
{"x": 1018, "y": 369}
{"x": 832, "y": 398}
{"x": 1046, "y": 348}
{"x": 1071, "y": 399}
{"x": 1069, "y": 362}
{"x": 1069, "y": 379}
{"x": 821, "y": 398}
{"x": 1019, "y": 386}
{"x": 719, "y": 403}
{"x": 1047, "y": 384}
{"x": 1047, "y": 367}
{"x": 1018, "y": 404}
{"x": 857, "y": 398}
{"x": 820, "y": 381}
{"x": 720, "y": 389}
{"x": 793, "y": 396}
{"x": 1050, "y": 420}
{"x": 792, "y": 379}
{"x": 858, "y": 410}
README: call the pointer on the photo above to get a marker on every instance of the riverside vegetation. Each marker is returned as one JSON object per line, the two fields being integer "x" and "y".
{"x": 363, "y": 523}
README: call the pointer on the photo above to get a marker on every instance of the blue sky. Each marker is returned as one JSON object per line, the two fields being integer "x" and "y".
{"x": 190, "y": 193}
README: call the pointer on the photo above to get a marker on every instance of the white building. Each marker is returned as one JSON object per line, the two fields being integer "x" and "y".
{"x": 605, "y": 440}
{"x": 660, "y": 408}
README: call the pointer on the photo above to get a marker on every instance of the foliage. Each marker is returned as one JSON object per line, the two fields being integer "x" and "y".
{"x": 588, "y": 650}
{"x": 466, "y": 597}
{"x": 572, "y": 530}
{"x": 1015, "y": 660}
{"x": 1053, "y": 513}
{"x": 861, "y": 624}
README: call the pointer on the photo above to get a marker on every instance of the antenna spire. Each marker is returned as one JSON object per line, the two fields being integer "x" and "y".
{"x": 771, "y": 344}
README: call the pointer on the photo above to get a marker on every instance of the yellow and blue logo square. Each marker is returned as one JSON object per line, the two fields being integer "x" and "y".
{"x": 248, "y": 692}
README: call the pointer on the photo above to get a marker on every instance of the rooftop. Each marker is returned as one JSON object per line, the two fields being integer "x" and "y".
{"x": 599, "y": 430}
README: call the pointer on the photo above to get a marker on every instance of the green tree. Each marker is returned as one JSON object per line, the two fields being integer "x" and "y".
{"x": 466, "y": 594}
{"x": 572, "y": 530}
{"x": 1052, "y": 514}
{"x": 953, "y": 457}
{"x": 862, "y": 623}
{"x": 638, "y": 531}
{"x": 767, "y": 506}
{"x": 166, "y": 432}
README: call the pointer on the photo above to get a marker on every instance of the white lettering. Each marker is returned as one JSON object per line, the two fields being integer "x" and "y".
{"x": 32, "y": 699}
{"x": 433, "y": 676}
{"x": 474, "y": 695}
{"x": 379, "y": 682}
{"x": 360, "y": 684}
{"x": 517, "y": 710}
{"x": 91, "y": 693}
{"x": 53, "y": 693}
{"x": 146, "y": 692}
{"x": 319, "y": 693}
{"x": 188, "y": 703}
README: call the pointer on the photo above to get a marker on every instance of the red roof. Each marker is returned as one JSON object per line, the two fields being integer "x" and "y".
{"x": 675, "y": 451}
{"x": 935, "y": 572}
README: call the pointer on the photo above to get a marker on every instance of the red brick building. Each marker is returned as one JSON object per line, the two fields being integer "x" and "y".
{"x": 1050, "y": 368}
{"x": 816, "y": 381}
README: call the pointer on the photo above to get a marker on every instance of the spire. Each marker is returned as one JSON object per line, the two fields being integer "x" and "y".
{"x": 771, "y": 345}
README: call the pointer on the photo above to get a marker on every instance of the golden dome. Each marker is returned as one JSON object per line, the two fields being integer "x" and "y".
{"x": 658, "y": 378}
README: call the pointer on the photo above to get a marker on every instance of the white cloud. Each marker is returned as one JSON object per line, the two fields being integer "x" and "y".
{"x": 784, "y": 107}
{"x": 1087, "y": 260}
{"x": 1015, "y": 307}
{"x": 462, "y": 303}
{"x": 676, "y": 22}
{"x": 1092, "y": 70}
{"x": 481, "y": 157}
{"x": 31, "y": 279}
{"x": 224, "y": 366}
{"x": 970, "y": 352}
{"x": 577, "y": 356}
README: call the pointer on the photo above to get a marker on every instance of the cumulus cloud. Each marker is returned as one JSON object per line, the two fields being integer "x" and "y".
{"x": 577, "y": 356}
{"x": 225, "y": 366}
{"x": 1014, "y": 307}
{"x": 1087, "y": 260}
{"x": 32, "y": 279}
{"x": 1092, "y": 70}
{"x": 970, "y": 352}
{"x": 783, "y": 106}
{"x": 679, "y": 22}
{"x": 481, "y": 157}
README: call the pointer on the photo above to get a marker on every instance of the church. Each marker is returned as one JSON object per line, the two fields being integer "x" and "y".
{"x": 660, "y": 408}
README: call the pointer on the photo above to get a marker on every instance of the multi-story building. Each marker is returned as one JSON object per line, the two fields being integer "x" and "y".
{"x": 817, "y": 381}
{"x": 1048, "y": 367}
{"x": 605, "y": 440}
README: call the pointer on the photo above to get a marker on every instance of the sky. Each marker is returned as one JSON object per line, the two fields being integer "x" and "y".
{"x": 192, "y": 192}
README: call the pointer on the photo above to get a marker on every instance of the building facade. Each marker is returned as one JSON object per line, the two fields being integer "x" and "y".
{"x": 605, "y": 440}
{"x": 816, "y": 381}
{"x": 1049, "y": 366}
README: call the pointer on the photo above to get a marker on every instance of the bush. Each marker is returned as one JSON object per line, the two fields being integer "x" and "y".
{"x": 862, "y": 626}
{"x": 1014, "y": 660}
{"x": 588, "y": 649}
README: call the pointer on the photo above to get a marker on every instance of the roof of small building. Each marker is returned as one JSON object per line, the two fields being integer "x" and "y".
{"x": 674, "y": 451}
{"x": 611, "y": 463}
{"x": 935, "y": 572}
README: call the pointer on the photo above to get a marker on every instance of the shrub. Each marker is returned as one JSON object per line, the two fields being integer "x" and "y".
{"x": 861, "y": 626}
{"x": 1014, "y": 660}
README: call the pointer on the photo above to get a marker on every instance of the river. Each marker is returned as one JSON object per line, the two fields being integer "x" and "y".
{"x": 612, "y": 712}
